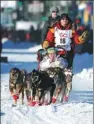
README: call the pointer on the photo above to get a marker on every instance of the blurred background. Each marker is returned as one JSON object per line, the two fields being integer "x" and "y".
{"x": 22, "y": 21}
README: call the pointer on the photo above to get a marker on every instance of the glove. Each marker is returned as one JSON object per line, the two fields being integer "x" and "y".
{"x": 84, "y": 36}
{"x": 45, "y": 44}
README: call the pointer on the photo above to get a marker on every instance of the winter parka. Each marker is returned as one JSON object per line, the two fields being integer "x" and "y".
{"x": 48, "y": 24}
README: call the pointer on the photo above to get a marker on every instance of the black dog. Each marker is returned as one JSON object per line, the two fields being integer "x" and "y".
{"x": 41, "y": 83}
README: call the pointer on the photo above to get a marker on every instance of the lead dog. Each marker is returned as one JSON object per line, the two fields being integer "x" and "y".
{"x": 17, "y": 84}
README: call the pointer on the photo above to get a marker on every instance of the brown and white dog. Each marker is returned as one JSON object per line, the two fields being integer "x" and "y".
{"x": 68, "y": 79}
{"x": 17, "y": 84}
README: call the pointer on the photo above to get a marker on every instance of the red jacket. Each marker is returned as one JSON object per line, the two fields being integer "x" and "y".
{"x": 50, "y": 34}
{"x": 76, "y": 39}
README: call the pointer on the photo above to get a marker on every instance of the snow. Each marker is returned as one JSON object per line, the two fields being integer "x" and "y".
{"x": 19, "y": 58}
{"x": 86, "y": 74}
{"x": 79, "y": 109}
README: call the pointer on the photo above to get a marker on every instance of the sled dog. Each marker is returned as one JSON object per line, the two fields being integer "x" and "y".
{"x": 17, "y": 84}
{"x": 59, "y": 79}
{"x": 41, "y": 83}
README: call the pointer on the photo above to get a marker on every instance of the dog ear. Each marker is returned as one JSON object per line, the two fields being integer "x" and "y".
{"x": 12, "y": 69}
{"x": 33, "y": 70}
{"x": 23, "y": 71}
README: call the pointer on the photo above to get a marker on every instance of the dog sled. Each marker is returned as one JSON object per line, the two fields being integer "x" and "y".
{"x": 53, "y": 61}
{"x": 52, "y": 57}
{"x": 45, "y": 85}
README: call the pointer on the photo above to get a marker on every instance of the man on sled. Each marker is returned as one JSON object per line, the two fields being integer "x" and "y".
{"x": 64, "y": 35}
{"x": 52, "y": 59}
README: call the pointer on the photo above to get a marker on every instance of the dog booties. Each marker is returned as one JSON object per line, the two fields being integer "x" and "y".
{"x": 54, "y": 99}
{"x": 33, "y": 103}
{"x": 15, "y": 97}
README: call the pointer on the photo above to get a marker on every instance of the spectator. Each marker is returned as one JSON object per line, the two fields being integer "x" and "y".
{"x": 32, "y": 33}
{"x": 52, "y": 19}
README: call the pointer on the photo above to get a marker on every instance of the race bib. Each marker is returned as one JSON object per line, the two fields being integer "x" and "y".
{"x": 63, "y": 38}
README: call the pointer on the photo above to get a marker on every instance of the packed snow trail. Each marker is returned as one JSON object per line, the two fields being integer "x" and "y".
{"x": 79, "y": 109}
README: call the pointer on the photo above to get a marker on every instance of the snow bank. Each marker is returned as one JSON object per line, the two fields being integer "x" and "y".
{"x": 86, "y": 74}
{"x": 35, "y": 48}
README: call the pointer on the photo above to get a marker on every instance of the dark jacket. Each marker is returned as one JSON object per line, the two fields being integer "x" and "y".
{"x": 48, "y": 24}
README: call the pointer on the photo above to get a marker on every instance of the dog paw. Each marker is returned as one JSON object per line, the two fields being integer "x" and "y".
{"x": 29, "y": 99}
{"x": 45, "y": 102}
{"x": 65, "y": 99}
{"x": 40, "y": 104}
{"x": 53, "y": 99}
{"x": 33, "y": 103}
{"x": 15, "y": 97}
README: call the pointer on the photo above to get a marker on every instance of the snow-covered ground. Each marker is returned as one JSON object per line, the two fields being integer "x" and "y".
{"x": 79, "y": 109}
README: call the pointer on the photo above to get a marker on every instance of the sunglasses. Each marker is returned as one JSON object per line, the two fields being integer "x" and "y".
{"x": 54, "y": 11}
